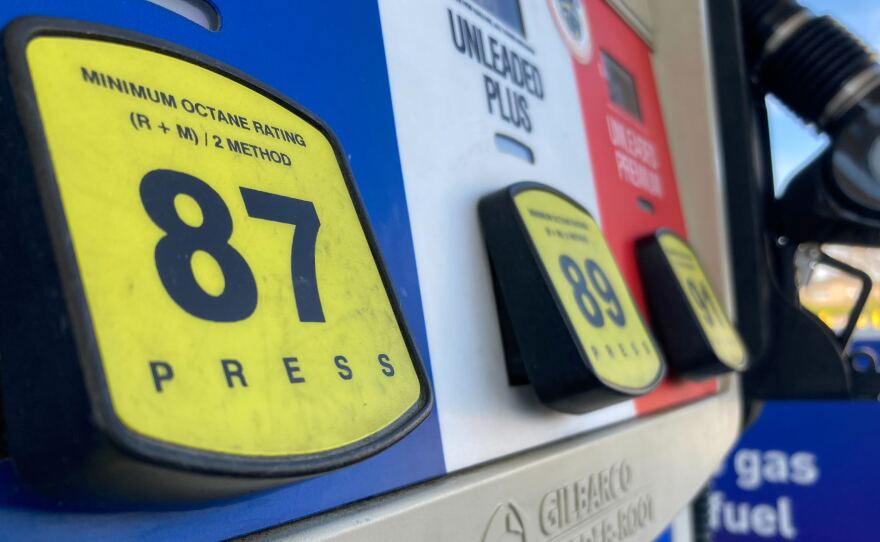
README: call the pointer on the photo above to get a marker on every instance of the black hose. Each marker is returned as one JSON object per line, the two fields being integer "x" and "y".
{"x": 802, "y": 59}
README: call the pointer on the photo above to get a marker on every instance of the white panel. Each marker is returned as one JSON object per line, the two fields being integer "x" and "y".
{"x": 518, "y": 499}
{"x": 448, "y": 152}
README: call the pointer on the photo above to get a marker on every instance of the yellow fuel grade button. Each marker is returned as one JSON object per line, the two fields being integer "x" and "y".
{"x": 231, "y": 308}
{"x": 569, "y": 323}
{"x": 697, "y": 336}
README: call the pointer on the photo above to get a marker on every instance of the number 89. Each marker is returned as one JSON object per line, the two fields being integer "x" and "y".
{"x": 585, "y": 299}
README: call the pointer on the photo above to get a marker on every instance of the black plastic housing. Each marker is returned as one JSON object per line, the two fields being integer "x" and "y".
{"x": 794, "y": 355}
{"x": 539, "y": 343}
{"x": 687, "y": 349}
{"x": 60, "y": 429}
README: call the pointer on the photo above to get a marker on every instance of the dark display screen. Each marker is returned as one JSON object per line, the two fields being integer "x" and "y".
{"x": 621, "y": 86}
{"x": 506, "y": 10}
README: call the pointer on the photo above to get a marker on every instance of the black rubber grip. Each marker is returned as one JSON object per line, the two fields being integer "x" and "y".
{"x": 811, "y": 65}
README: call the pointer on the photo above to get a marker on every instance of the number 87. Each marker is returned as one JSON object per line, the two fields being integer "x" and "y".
{"x": 175, "y": 250}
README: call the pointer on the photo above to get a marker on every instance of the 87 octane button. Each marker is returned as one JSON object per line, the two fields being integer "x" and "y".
{"x": 214, "y": 305}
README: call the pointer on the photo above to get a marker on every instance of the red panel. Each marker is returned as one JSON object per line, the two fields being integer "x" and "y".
{"x": 631, "y": 160}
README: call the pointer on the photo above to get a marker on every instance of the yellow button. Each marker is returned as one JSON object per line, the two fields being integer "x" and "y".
{"x": 590, "y": 290}
{"x": 722, "y": 336}
{"x": 235, "y": 301}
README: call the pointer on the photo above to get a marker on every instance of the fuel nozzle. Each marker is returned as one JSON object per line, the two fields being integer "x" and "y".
{"x": 831, "y": 80}
{"x": 811, "y": 63}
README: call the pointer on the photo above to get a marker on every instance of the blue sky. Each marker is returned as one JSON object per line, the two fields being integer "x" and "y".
{"x": 792, "y": 142}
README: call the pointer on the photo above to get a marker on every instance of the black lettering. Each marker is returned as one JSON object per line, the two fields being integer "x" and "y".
{"x": 278, "y": 133}
{"x": 161, "y": 372}
{"x": 185, "y": 132}
{"x": 473, "y": 40}
{"x": 130, "y": 88}
{"x": 528, "y": 78}
{"x": 255, "y": 151}
{"x": 458, "y": 40}
{"x": 174, "y": 251}
{"x": 517, "y": 67}
{"x": 90, "y": 76}
{"x": 481, "y": 49}
{"x": 142, "y": 121}
{"x": 233, "y": 369}
{"x": 496, "y": 53}
{"x": 115, "y": 84}
{"x": 506, "y": 67}
{"x": 510, "y": 105}
{"x": 234, "y": 145}
{"x": 139, "y": 91}
{"x": 537, "y": 88}
{"x": 490, "y": 52}
{"x": 522, "y": 107}
{"x": 168, "y": 100}
{"x": 507, "y": 112}
{"x": 302, "y": 215}
{"x": 385, "y": 362}
{"x": 344, "y": 371}
{"x": 152, "y": 95}
{"x": 492, "y": 92}
{"x": 292, "y": 368}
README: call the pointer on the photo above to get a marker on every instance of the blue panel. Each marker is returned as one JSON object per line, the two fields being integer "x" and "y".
{"x": 804, "y": 471}
{"x": 665, "y": 536}
{"x": 331, "y": 59}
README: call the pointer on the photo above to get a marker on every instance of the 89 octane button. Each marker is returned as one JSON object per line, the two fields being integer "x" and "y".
{"x": 214, "y": 304}
{"x": 569, "y": 323}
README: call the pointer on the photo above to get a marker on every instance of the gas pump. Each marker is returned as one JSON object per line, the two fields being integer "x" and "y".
{"x": 456, "y": 269}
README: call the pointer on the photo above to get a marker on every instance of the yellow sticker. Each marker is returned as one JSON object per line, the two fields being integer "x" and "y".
{"x": 725, "y": 340}
{"x": 590, "y": 290}
{"x": 234, "y": 297}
